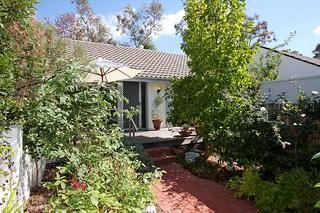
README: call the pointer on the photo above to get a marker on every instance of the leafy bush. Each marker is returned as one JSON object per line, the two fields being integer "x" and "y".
{"x": 78, "y": 123}
{"x": 299, "y": 122}
{"x": 291, "y": 191}
{"x": 147, "y": 164}
{"x": 99, "y": 178}
{"x": 247, "y": 135}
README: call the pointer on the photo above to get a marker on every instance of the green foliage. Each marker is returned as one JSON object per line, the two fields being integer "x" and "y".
{"x": 108, "y": 177}
{"x": 41, "y": 88}
{"x": 147, "y": 164}
{"x": 9, "y": 19}
{"x": 292, "y": 191}
{"x": 316, "y": 156}
{"x": 299, "y": 123}
{"x": 182, "y": 104}
{"x": 76, "y": 121}
{"x": 217, "y": 43}
{"x": 156, "y": 111}
{"x": 265, "y": 68}
{"x": 11, "y": 205}
{"x": 248, "y": 135}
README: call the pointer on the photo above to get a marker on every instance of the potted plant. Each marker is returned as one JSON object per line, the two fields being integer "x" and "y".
{"x": 156, "y": 112}
{"x": 185, "y": 130}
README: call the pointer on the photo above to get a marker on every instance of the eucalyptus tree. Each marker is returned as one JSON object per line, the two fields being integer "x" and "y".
{"x": 85, "y": 24}
{"x": 316, "y": 51}
{"x": 140, "y": 25}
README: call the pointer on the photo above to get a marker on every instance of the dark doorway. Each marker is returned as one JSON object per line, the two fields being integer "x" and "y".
{"x": 135, "y": 92}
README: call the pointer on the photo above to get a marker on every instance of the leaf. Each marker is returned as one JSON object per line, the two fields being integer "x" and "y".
{"x": 94, "y": 201}
{"x": 317, "y": 205}
{"x": 316, "y": 156}
{"x": 317, "y": 185}
{"x": 63, "y": 185}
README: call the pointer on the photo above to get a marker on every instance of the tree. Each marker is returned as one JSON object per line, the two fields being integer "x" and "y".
{"x": 140, "y": 25}
{"x": 83, "y": 25}
{"x": 316, "y": 51}
{"x": 219, "y": 54}
{"x": 258, "y": 34}
{"x": 218, "y": 93}
{"x": 13, "y": 18}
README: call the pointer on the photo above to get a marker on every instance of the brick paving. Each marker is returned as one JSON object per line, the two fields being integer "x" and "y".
{"x": 182, "y": 192}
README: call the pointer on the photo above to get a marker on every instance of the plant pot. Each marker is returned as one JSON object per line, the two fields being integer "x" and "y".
{"x": 157, "y": 124}
{"x": 185, "y": 132}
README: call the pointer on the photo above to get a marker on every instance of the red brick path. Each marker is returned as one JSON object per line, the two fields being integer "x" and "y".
{"x": 182, "y": 192}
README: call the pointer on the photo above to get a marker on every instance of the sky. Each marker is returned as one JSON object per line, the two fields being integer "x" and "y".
{"x": 283, "y": 17}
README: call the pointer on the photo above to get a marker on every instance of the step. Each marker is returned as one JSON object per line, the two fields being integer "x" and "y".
{"x": 163, "y": 143}
{"x": 161, "y": 161}
{"x": 159, "y": 151}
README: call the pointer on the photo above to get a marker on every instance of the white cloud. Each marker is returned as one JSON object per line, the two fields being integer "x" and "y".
{"x": 317, "y": 31}
{"x": 111, "y": 22}
{"x": 168, "y": 21}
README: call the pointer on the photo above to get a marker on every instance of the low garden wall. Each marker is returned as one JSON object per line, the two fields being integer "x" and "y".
{"x": 20, "y": 170}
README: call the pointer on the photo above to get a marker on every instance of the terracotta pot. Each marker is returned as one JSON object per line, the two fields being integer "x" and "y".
{"x": 157, "y": 124}
{"x": 185, "y": 133}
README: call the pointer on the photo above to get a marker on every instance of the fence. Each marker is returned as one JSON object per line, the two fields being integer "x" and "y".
{"x": 19, "y": 168}
{"x": 313, "y": 120}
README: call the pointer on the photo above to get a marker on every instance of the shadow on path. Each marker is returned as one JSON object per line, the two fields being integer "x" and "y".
{"x": 181, "y": 191}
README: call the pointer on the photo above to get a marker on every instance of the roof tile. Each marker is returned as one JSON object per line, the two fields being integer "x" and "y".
{"x": 154, "y": 64}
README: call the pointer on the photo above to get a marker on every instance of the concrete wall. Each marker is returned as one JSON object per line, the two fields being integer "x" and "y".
{"x": 23, "y": 170}
{"x": 151, "y": 94}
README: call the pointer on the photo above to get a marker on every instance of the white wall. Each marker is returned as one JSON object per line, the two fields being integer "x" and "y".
{"x": 291, "y": 68}
{"x": 151, "y": 94}
{"x": 23, "y": 175}
{"x": 292, "y": 73}
{"x": 274, "y": 88}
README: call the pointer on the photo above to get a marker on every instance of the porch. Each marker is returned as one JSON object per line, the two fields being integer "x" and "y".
{"x": 164, "y": 137}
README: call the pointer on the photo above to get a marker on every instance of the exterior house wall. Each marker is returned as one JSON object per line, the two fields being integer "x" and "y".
{"x": 293, "y": 73}
{"x": 274, "y": 88}
{"x": 151, "y": 94}
{"x": 292, "y": 68}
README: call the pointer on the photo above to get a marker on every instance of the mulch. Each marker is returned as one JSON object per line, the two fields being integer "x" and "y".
{"x": 39, "y": 197}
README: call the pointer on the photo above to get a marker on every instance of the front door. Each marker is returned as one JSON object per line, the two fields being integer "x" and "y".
{"x": 135, "y": 93}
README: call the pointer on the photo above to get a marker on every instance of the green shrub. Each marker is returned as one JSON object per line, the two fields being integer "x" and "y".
{"x": 291, "y": 191}
{"x": 97, "y": 178}
{"x": 247, "y": 135}
{"x": 147, "y": 164}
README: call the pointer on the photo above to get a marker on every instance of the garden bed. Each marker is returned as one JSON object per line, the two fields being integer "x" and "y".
{"x": 39, "y": 197}
{"x": 205, "y": 168}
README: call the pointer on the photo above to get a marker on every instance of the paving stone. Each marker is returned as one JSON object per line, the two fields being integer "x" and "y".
{"x": 181, "y": 191}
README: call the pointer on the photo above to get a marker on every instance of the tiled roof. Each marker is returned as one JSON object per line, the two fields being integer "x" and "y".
{"x": 154, "y": 64}
{"x": 299, "y": 57}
